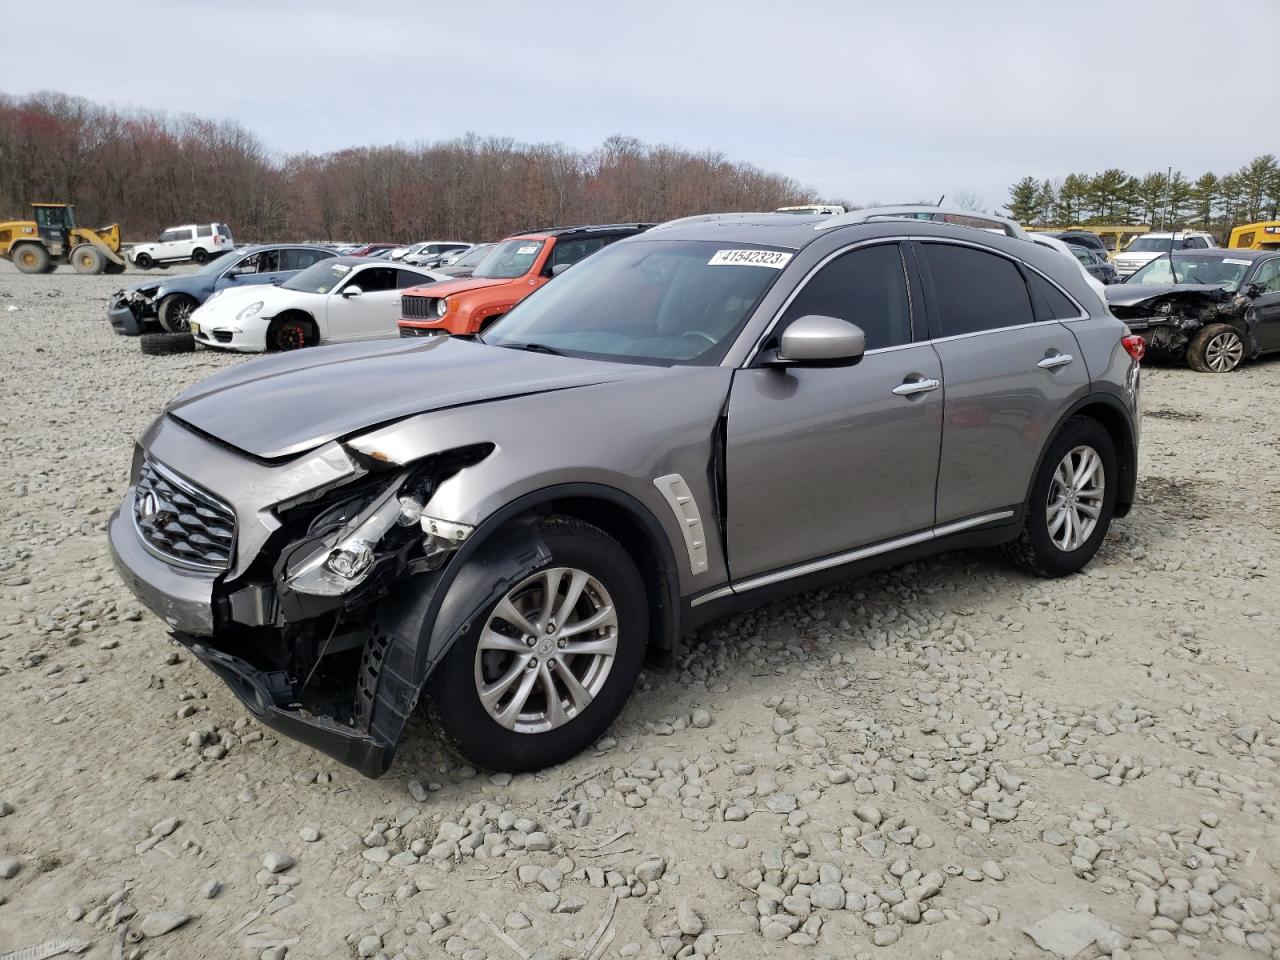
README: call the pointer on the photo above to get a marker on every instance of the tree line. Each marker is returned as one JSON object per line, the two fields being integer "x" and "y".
{"x": 148, "y": 170}
{"x": 1213, "y": 202}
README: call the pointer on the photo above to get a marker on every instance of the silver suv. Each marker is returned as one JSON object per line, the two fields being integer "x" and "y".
{"x": 702, "y": 417}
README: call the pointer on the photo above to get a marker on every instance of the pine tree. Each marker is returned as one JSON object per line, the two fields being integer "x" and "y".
{"x": 1022, "y": 200}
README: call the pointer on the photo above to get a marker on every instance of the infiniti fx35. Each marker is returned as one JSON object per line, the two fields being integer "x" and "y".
{"x": 502, "y": 528}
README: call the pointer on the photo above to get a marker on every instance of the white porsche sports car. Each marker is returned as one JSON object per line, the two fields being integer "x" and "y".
{"x": 342, "y": 298}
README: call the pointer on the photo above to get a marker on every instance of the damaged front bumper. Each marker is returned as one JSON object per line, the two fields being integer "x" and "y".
{"x": 268, "y": 696}
{"x": 329, "y": 612}
{"x": 128, "y": 315}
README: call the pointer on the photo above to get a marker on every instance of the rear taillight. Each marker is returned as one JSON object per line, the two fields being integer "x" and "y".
{"x": 1135, "y": 346}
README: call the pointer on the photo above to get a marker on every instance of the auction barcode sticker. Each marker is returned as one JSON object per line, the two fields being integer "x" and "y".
{"x": 749, "y": 258}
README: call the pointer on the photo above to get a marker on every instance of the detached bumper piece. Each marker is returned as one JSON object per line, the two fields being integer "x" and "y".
{"x": 269, "y": 697}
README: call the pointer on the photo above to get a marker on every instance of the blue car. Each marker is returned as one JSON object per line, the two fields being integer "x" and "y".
{"x": 170, "y": 301}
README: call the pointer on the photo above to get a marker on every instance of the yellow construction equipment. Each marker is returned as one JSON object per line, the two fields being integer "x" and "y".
{"x": 51, "y": 237}
{"x": 1264, "y": 235}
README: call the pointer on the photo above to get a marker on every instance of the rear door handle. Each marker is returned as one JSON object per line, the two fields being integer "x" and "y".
{"x": 1056, "y": 360}
{"x": 910, "y": 388}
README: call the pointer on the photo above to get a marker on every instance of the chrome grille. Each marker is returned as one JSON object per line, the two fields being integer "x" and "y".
{"x": 418, "y": 308}
{"x": 180, "y": 522}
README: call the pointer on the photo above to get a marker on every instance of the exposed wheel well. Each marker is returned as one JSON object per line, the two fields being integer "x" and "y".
{"x": 1113, "y": 422}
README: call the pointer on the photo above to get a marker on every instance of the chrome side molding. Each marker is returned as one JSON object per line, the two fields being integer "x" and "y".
{"x": 851, "y": 556}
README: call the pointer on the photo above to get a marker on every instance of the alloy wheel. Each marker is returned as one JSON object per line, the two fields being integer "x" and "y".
{"x": 546, "y": 650}
{"x": 1075, "y": 498}
{"x": 1224, "y": 352}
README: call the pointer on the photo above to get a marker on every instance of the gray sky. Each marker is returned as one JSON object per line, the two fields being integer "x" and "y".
{"x": 894, "y": 100}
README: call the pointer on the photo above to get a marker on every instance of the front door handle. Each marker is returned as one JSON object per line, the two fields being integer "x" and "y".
{"x": 910, "y": 388}
{"x": 1056, "y": 360}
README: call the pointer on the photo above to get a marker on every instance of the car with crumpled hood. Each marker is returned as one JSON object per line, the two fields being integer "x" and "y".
{"x": 1212, "y": 309}
{"x": 170, "y": 301}
{"x": 503, "y": 529}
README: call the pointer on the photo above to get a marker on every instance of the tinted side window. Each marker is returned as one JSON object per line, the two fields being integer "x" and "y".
{"x": 376, "y": 278}
{"x": 299, "y": 259}
{"x": 269, "y": 261}
{"x": 975, "y": 290}
{"x": 204, "y": 231}
{"x": 867, "y": 287}
{"x": 407, "y": 278}
{"x": 574, "y": 250}
{"x": 1051, "y": 303}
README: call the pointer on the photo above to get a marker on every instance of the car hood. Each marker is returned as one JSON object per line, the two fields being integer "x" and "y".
{"x": 283, "y": 405}
{"x": 192, "y": 283}
{"x": 1131, "y": 294}
{"x": 452, "y": 287}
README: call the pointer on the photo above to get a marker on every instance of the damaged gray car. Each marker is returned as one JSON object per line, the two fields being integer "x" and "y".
{"x": 710, "y": 415}
{"x": 1212, "y": 309}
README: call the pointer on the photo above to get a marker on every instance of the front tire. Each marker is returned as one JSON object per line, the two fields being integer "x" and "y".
{"x": 1073, "y": 499}
{"x": 1216, "y": 348}
{"x": 175, "y": 312}
{"x": 88, "y": 259}
{"x": 291, "y": 332}
{"x": 143, "y": 261}
{"x": 539, "y": 675}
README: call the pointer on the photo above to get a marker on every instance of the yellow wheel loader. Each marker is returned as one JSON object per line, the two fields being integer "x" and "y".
{"x": 51, "y": 237}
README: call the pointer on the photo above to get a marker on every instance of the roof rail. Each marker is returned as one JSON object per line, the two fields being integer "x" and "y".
{"x": 920, "y": 211}
{"x": 712, "y": 217}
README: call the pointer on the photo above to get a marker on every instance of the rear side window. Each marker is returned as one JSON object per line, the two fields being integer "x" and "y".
{"x": 204, "y": 231}
{"x": 407, "y": 278}
{"x": 300, "y": 259}
{"x": 975, "y": 290}
{"x": 867, "y": 287}
{"x": 1051, "y": 303}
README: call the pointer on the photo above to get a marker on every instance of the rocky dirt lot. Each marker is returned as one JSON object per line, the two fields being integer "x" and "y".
{"x": 946, "y": 760}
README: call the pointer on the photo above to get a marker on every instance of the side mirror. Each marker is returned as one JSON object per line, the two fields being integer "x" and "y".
{"x": 818, "y": 340}
{"x": 560, "y": 268}
{"x": 235, "y": 273}
{"x": 351, "y": 290}
{"x": 1255, "y": 290}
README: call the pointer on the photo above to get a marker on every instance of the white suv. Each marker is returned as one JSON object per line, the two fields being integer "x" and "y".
{"x": 200, "y": 242}
{"x": 431, "y": 251}
{"x": 1147, "y": 247}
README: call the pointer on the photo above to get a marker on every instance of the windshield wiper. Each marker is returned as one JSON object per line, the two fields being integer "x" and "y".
{"x": 534, "y": 347}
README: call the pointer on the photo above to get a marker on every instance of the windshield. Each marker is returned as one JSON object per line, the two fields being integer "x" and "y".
{"x": 1153, "y": 245}
{"x": 318, "y": 278}
{"x": 649, "y": 301}
{"x": 1225, "y": 272}
{"x": 472, "y": 256}
{"x": 508, "y": 260}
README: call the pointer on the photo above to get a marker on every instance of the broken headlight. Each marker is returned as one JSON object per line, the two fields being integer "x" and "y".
{"x": 342, "y": 560}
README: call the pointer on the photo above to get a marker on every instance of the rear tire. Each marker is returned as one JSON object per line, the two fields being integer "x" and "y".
{"x": 161, "y": 344}
{"x": 1216, "y": 348}
{"x": 88, "y": 259}
{"x": 144, "y": 261}
{"x": 291, "y": 332}
{"x": 31, "y": 258}
{"x": 1056, "y": 538}
{"x": 598, "y": 681}
{"x": 175, "y": 312}
{"x": 200, "y": 255}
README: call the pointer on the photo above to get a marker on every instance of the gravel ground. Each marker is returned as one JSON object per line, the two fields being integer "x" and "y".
{"x": 945, "y": 760}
